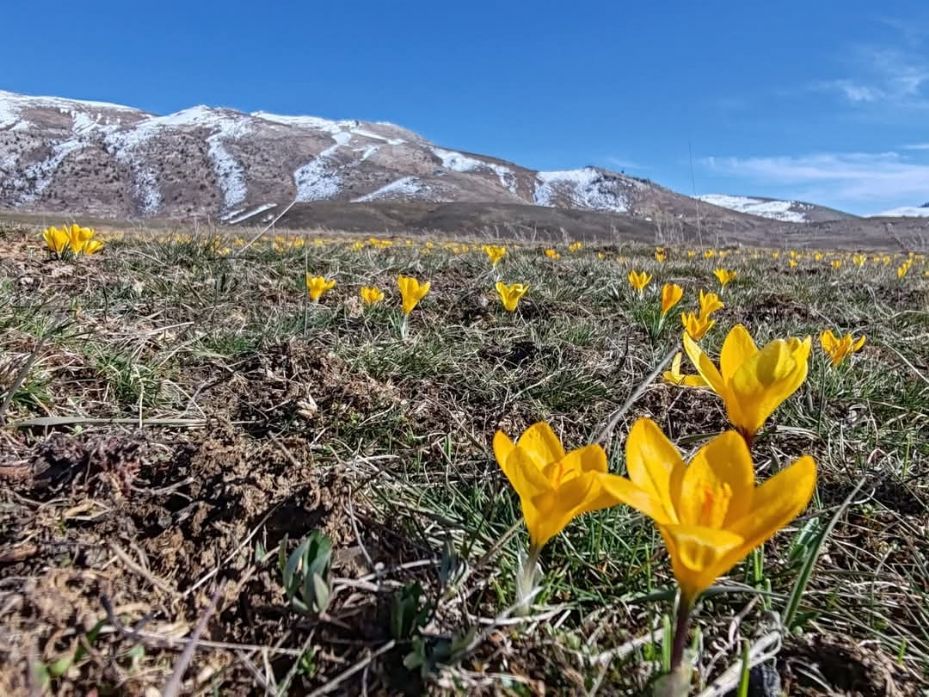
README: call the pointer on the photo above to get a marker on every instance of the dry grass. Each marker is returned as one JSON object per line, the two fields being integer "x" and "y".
{"x": 183, "y": 411}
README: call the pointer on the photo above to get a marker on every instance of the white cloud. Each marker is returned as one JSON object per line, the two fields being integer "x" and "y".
{"x": 888, "y": 76}
{"x": 916, "y": 146}
{"x": 856, "y": 179}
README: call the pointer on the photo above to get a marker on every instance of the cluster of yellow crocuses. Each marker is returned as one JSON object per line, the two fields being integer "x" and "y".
{"x": 709, "y": 511}
{"x": 412, "y": 291}
{"x": 72, "y": 239}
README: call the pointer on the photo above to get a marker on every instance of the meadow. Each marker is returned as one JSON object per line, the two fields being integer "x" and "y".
{"x": 213, "y": 483}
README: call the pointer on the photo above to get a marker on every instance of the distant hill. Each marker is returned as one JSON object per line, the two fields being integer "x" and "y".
{"x": 776, "y": 209}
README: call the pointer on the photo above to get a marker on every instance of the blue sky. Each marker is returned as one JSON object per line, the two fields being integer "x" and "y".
{"x": 822, "y": 100}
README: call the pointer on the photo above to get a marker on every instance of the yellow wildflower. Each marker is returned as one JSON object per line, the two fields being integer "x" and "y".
{"x": 371, "y": 295}
{"x": 56, "y": 239}
{"x": 751, "y": 382}
{"x": 553, "y": 486}
{"x": 411, "y": 291}
{"x": 494, "y": 252}
{"x": 724, "y": 276}
{"x": 709, "y": 512}
{"x": 511, "y": 294}
{"x": 709, "y": 303}
{"x": 839, "y": 348}
{"x": 639, "y": 280}
{"x": 316, "y": 286}
{"x": 696, "y": 326}
{"x": 671, "y": 295}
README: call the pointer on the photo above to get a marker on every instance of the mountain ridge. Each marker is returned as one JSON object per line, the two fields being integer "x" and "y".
{"x": 111, "y": 160}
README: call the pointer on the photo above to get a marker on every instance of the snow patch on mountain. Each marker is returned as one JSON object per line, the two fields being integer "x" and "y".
{"x": 316, "y": 182}
{"x": 407, "y": 187}
{"x": 319, "y": 178}
{"x": 583, "y": 188}
{"x": 368, "y": 151}
{"x": 904, "y": 212}
{"x": 40, "y": 173}
{"x": 376, "y": 136}
{"x": 128, "y": 146}
{"x": 312, "y": 122}
{"x": 459, "y": 162}
{"x": 785, "y": 211}
{"x": 242, "y": 215}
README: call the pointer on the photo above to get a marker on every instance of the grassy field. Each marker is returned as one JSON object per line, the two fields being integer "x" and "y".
{"x": 177, "y": 414}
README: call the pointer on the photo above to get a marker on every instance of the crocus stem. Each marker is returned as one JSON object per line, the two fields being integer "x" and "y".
{"x": 681, "y": 630}
{"x": 405, "y": 327}
{"x": 822, "y": 399}
{"x": 527, "y": 580}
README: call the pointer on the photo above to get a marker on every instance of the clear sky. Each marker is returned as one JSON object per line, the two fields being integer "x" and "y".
{"x": 823, "y": 100}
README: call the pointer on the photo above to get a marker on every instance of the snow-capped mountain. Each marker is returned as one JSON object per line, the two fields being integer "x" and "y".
{"x": 775, "y": 209}
{"x": 80, "y": 156}
{"x": 905, "y": 212}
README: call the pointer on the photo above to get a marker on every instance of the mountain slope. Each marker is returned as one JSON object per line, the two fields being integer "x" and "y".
{"x": 111, "y": 160}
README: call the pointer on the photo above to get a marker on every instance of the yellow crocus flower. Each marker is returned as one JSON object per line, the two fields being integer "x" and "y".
{"x": 675, "y": 377}
{"x": 709, "y": 512}
{"x": 696, "y": 326}
{"x": 575, "y": 247}
{"x": 639, "y": 280}
{"x": 836, "y": 264}
{"x": 56, "y": 239}
{"x": 371, "y": 295}
{"x": 79, "y": 237}
{"x": 552, "y": 254}
{"x": 724, "y": 276}
{"x": 661, "y": 255}
{"x": 494, "y": 252}
{"x": 903, "y": 269}
{"x": 671, "y": 295}
{"x": 411, "y": 291}
{"x": 316, "y": 286}
{"x": 859, "y": 260}
{"x": 709, "y": 303}
{"x": 553, "y": 486}
{"x": 838, "y": 349}
{"x": 511, "y": 294}
{"x": 751, "y": 382}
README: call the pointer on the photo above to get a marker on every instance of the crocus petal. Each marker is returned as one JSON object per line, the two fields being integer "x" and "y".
{"x": 524, "y": 475}
{"x": 699, "y": 555}
{"x": 704, "y": 366}
{"x": 778, "y": 501}
{"x": 651, "y": 460}
{"x": 738, "y": 347}
{"x": 621, "y": 490}
{"x": 828, "y": 341}
{"x": 717, "y": 487}
{"x": 590, "y": 458}
{"x": 540, "y": 443}
{"x": 503, "y": 446}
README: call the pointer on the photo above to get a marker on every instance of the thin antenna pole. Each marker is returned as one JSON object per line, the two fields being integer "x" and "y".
{"x": 693, "y": 186}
